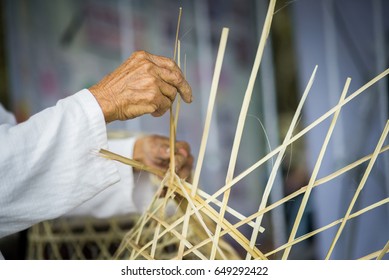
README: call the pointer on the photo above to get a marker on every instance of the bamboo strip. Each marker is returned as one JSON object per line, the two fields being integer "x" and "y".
{"x": 242, "y": 118}
{"x": 360, "y": 187}
{"x": 172, "y": 147}
{"x": 315, "y": 171}
{"x": 211, "y": 103}
{"x": 177, "y": 33}
{"x": 178, "y": 104}
{"x": 172, "y": 126}
{"x": 172, "y": 134}
{"x": 135, "y": 164}
{"x": 249, "y": 90}
{"x": 184, "y": 233}
{"x": 155, "y": 240}
{"x": 278, "y": 161}
{"x": 383, "y": 251}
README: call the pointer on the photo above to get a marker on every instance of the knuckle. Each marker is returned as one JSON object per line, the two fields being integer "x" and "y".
{"x": 152, "y": 80}
{"x": 167, "y": 61}
{"x": 151, "y": 97}
{"x": 155, "y": 93}
{"x": 140, "y": 54}
{"x": 147, "y": 66}
{"x": 170, "y": 63}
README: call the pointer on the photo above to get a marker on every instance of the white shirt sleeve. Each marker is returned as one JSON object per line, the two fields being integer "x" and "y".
{"x": 49, "y": 164}
{"x": 118, "y": 198}
{"x": 132, "y": 194}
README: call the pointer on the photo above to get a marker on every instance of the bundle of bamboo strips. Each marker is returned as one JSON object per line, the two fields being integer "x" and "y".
{"x": 196, "y": 229}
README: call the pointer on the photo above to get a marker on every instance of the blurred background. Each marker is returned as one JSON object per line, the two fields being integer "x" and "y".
{"x": 52, "y": 49}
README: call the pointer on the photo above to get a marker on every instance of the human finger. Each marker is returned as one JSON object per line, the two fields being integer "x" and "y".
{"x": 180, "y": 161}
{"x": 175, "y": 78}
{"x": 183, "y": 148}
{"x": 167, "y": 90}
{"x": 163, "y": 104}
{"x": 186, "y": 170}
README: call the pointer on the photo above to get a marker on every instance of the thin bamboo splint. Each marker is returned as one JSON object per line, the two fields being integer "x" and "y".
{"x": 195, "y": 230}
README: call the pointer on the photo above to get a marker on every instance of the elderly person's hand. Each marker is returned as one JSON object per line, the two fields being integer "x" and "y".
{"x": 153, "y": 151}
{"x": 143, "y": 84}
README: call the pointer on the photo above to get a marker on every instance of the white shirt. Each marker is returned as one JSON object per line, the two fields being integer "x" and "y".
{"x": 49, "y": 166}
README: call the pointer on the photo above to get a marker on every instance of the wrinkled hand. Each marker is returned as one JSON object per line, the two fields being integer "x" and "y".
{"x": 143, "y": 84}
{"x": 153, "y": 151}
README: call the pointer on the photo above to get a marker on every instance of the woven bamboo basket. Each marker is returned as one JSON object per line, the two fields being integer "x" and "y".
{"x": 82, "y": 238}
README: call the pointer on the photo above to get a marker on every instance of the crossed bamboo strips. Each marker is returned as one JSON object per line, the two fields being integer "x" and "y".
{"x": 182, "y": 222}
